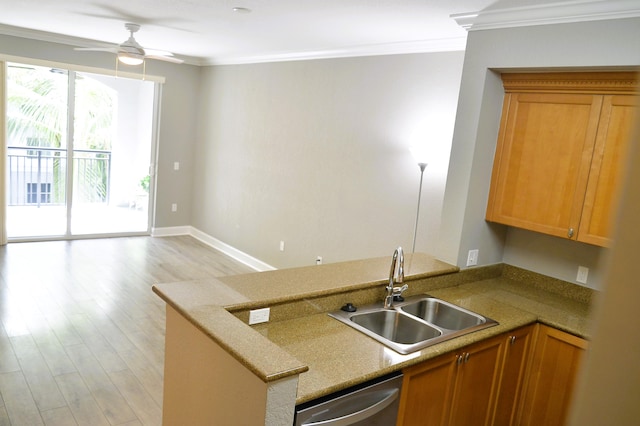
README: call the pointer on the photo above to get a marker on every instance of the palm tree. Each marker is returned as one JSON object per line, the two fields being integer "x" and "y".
{"x": 37, "y": 108}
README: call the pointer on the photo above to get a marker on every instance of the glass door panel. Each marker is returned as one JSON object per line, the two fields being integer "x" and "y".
{"x": 112, "y": 153}
{"x": 36, "y": 151}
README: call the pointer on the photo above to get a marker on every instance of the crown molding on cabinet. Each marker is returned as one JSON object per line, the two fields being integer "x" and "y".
{"x": 548, "y": 13}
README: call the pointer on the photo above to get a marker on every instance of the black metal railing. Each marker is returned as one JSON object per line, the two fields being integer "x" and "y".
{"x": 38, "y": 176}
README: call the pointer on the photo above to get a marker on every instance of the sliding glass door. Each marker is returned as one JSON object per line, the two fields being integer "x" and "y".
{"x": 79, "y": 149}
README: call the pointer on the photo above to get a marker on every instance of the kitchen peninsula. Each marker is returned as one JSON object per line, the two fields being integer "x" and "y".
{"x": 220, "y": 370}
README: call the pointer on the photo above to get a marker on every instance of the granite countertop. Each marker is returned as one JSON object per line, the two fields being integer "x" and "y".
{"x": 207, "y": 303}
{"x": 339, "y": 356}
{"x": 329, "y": 355}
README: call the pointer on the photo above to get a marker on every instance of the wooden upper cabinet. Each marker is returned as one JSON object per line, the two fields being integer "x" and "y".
{"x": 542, "y": 163}
{"x": 607, "y": 168}
{"x": 560, "y": 152}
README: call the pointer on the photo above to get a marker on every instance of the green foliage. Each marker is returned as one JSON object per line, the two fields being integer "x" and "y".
{"x": 144, "y": 183}
{"x": 36, "y": 107}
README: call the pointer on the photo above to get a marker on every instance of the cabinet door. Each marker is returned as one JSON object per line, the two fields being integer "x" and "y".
{"x": 555, "y": 364}
{"x": 516, "y": 356}
{"x": 426, "y": 392}
{"x": 478, "y": 374}
{"x": 607, "y": 168}
{"x": 542, "y": 161}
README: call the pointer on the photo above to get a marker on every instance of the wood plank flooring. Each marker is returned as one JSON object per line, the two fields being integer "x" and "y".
{"x": 82, "y": 333}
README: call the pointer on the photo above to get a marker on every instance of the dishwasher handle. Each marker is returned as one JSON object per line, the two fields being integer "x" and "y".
{"x": 368, "y": 412}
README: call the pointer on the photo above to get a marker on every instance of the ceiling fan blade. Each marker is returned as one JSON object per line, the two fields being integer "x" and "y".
{"x": 118, "y": 14}
{"x": 155, "y": 52}
{"x": 97, "y": 49}
{"x": 165, "y": 58}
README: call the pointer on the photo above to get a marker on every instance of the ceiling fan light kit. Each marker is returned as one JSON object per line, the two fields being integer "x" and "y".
{"x": 131, "y": 52}
{"x": 129, "y": 59}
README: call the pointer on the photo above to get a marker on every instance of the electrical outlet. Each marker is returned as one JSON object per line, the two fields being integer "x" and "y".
{"x": 257, "y": 316}
{"x": 319, "y": 260}
{"x": 472, "y": 257}
{"x": 281, "y": 245}
{"x": 174, "y": 207}
{"x": 176, "y": 166}
{"x": 583, "y": 273}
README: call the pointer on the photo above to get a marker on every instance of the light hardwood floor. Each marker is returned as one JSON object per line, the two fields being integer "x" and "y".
{"x": 82, "y": 336}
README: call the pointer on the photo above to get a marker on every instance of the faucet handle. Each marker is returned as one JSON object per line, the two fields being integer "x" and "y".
{"x": 397, "y": 293}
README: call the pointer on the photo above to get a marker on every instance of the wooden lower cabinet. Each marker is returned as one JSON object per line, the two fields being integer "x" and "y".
{"x": 426, "y": 392}
{"x": 518, "y": 344}
{"x": 456, "y": 389}
{"x": 480, "y": 384}
{"x": 555, "y": 364}
{"x": 477, "y": 380}
{"x": 524, "y": 377}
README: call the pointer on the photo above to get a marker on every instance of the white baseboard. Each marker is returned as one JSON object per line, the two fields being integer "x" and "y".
{"x": 207, "y": 239}
{"x": 171, "y": 231}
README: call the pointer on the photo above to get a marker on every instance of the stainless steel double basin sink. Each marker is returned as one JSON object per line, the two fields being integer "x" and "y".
{"x": 415, "y": 323}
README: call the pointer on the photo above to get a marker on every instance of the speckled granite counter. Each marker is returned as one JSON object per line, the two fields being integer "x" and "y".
{"x": 207, "y": 303}
{"x": 328, "y": 355}
{"x": 339, "y": 356}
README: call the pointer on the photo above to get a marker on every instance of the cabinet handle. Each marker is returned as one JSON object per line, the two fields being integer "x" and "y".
{"x": 512, "y": 340}
{"x": 570, "y": 233}
{"x": 462, "y": 358}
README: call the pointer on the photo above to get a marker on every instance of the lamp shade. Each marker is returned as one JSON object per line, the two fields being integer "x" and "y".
{"x": 419, "y": 154}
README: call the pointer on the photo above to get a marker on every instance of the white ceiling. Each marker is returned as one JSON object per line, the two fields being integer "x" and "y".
{"x": 210, "y": 32}
{"x": 207, "y": 32}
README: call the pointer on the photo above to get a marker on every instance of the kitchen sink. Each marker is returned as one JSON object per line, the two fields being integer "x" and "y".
{"x": 415, "y": 323}
{"x": 396, "y": 327}
{"x": 443, "y": 314}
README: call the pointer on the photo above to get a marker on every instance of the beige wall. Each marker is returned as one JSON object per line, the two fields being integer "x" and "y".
{"x": 587, "y": 45}
{"x": 316, "y": 154}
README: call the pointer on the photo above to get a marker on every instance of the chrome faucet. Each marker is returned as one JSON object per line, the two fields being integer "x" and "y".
{"x": 395, "y": 293}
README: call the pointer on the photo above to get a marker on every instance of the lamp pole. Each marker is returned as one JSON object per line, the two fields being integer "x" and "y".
{"x": 415, "y": 232}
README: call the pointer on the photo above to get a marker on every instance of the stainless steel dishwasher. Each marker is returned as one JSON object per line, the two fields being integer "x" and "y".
{"x": 374, "y": 403}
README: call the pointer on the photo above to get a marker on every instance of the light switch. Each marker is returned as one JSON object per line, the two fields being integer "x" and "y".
{"x": 583, "y": 273}
{"x": 257, "y": 316}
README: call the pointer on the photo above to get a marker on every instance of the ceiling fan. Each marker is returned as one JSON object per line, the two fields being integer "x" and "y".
{"x": 131, "y": 53}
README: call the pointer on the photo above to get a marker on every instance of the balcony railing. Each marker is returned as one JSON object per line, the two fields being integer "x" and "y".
{"x": 37, "y": 176}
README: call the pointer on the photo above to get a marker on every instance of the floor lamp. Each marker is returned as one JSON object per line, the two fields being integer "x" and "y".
{"x": 415, "y": 232}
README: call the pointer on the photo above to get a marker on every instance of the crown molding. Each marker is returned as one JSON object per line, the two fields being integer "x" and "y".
{"x": 48, "y": 37}
{"x": 419, "y": 46}
{"x": 548, "y": 13}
